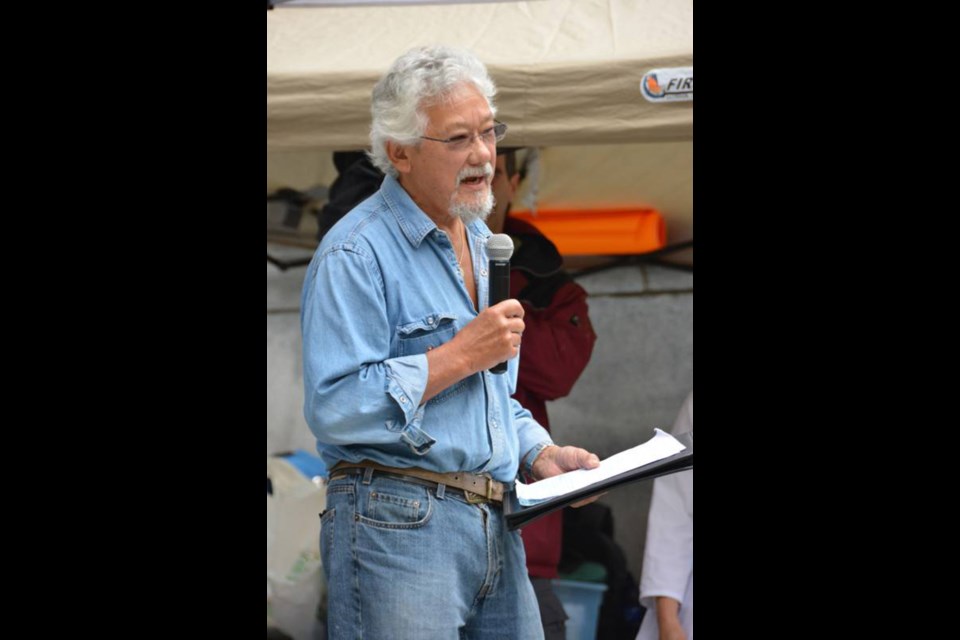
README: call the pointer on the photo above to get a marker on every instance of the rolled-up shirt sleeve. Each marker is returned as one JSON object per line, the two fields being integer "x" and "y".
{"x": 529, "y": 431}
{"x": 354, "y": 392}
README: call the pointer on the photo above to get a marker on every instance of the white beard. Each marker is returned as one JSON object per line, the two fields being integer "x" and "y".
{"x": 468, "y": 211}
{"x": 481, "y": 205}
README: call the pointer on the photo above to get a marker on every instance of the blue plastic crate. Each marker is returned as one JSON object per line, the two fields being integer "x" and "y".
{"x": 581, "y": 601}
{"x": 306, "y": 463}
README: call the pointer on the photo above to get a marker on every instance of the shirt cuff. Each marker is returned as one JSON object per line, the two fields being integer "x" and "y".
{"x": 406, "y": 382}
{"x": 531, "y": 457}
{"x": 416, "y": 438}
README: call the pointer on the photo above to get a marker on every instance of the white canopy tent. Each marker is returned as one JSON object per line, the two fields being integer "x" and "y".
{"x": 568, "y": 74}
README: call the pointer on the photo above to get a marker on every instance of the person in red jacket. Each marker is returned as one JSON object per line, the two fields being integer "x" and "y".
{"x": 557, "y": 343}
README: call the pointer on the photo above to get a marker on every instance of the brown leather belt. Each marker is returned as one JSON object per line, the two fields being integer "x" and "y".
{"x": 482, "y": 487}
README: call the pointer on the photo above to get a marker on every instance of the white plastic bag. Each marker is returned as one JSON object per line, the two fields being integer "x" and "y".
{"x": 295, "y": 581}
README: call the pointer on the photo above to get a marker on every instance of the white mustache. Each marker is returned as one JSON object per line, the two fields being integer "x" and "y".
{"x": 486, "y": 171}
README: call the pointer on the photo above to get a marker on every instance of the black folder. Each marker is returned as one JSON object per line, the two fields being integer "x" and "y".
{"x": 518, "y": 515}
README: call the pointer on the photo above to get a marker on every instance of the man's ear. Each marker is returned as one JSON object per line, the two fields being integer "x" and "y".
{"x": 399, "y": 156}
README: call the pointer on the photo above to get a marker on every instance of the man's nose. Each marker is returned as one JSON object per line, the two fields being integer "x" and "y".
{"x": 480, "y": 151}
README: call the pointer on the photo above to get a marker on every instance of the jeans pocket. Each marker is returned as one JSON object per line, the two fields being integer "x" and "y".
{"x": 395, "y": 504}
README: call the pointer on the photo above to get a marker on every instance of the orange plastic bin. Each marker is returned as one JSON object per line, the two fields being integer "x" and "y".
{"x": 600, "y": 231}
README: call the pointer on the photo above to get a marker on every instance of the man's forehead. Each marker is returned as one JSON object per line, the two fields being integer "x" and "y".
{"x": 459, "y": 108}
{"x": 458, "y": 118}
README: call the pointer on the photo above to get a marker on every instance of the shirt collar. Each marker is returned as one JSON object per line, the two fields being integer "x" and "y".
{"x": 414, "y": 223}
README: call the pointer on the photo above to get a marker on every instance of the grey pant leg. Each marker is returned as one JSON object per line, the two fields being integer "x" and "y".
{"x": 551, "y": 609}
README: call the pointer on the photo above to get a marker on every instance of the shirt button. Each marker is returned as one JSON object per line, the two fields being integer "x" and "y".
{"x": 483, "y": 272}
{"x": 403, "y": 400}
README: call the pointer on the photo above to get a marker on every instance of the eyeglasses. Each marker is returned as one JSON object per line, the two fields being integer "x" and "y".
{"x": 464, "y": 142}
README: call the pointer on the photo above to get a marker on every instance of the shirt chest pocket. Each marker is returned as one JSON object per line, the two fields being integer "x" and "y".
{"x": 427, "y": 333}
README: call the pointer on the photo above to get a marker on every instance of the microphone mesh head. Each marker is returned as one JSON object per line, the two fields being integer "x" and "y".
{"x": 499, "y": 246}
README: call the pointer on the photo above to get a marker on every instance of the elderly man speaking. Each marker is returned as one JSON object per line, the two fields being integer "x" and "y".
{"x": 421, "y": 439}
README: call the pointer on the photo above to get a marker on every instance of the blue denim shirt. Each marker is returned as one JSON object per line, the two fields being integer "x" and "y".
{"x": 382, "y": 289}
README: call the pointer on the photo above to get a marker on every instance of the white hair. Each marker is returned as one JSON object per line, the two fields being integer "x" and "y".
{"x": 418, "y": 79}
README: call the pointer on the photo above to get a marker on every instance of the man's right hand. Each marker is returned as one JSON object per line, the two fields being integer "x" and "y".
{"x": 492, "y": 337}
{"x": 489, "y": 339}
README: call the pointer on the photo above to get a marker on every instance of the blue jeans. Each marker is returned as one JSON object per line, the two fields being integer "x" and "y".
{"x": 408, "y": 561}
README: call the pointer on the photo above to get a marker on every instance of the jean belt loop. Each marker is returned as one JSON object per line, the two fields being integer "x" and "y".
{"x": 441, "y": 491}
{"x": 367, "y": 475}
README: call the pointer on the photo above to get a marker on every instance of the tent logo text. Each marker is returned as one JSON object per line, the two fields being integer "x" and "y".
{"x": 668, "y": 85}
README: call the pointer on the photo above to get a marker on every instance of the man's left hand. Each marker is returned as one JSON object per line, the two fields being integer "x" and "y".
{"x": 555, "y": 460}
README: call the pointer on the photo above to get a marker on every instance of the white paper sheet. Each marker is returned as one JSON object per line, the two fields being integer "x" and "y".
{"x": 660, "y": 446}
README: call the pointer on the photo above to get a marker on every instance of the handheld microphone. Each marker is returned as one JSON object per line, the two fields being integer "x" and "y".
{"x": 499, "y": 248}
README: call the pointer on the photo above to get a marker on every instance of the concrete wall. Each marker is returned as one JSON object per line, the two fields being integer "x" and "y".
{"x": 641, "y": 370}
